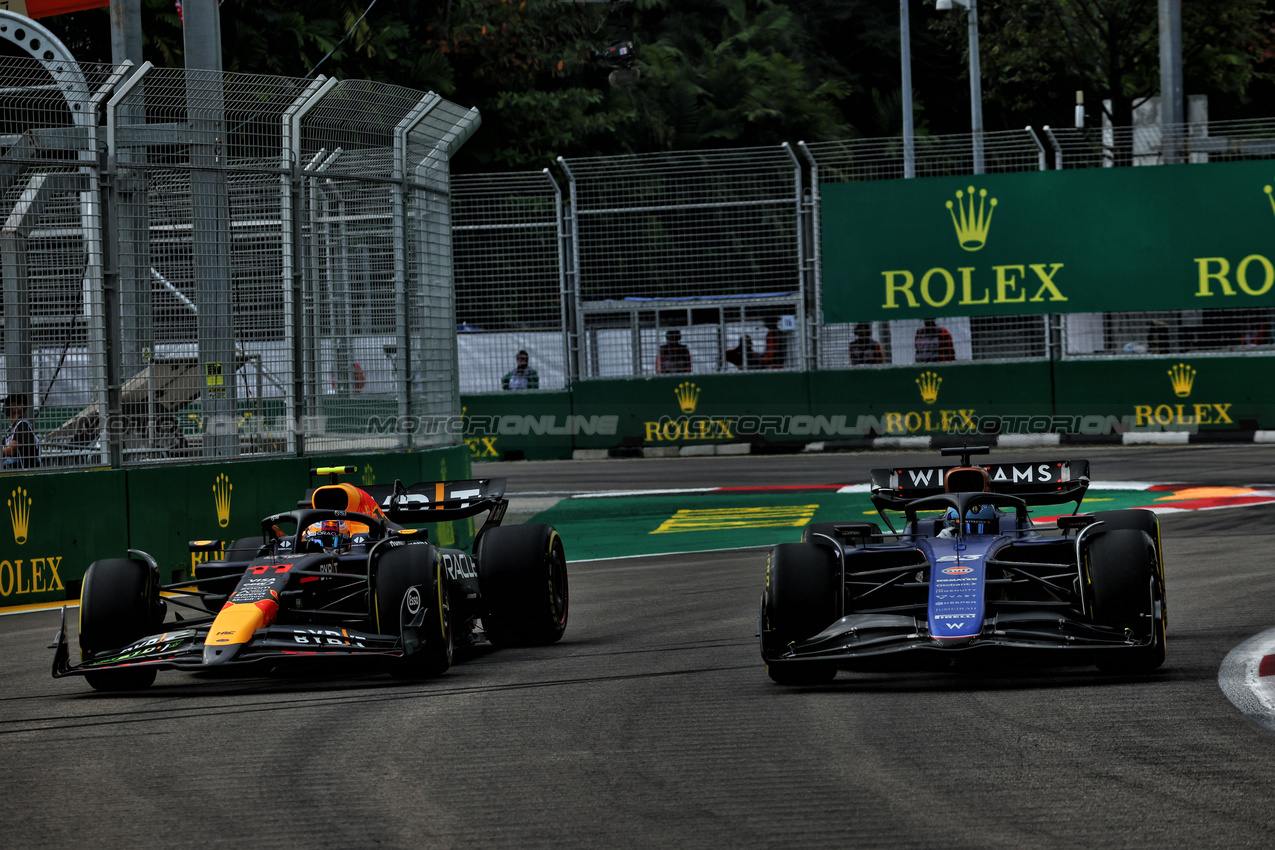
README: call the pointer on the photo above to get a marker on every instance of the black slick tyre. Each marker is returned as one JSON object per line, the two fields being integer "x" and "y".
{"x": 800, "y": 601}
{"x": 412, "y": 576}
{"x": 1122, "y": 590}
{"x": 1146, "y": 521}
{"x": 119, "y": 603}
{"x": 522, "y": 574}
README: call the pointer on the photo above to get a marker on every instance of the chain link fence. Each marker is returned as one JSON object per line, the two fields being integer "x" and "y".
{"x": 687, "y": 262}
{"x": 226, "y": 264}
{"x": 692, "y": 262}
{"x": 509, "y": 282}
{"x": 232, "y": 264}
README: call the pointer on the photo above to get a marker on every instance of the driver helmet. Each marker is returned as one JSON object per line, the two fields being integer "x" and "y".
{"x": 330, "y": 535}
{"x": 974, "y": 518}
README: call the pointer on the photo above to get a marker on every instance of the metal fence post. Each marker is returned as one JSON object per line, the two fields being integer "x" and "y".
{"x": 570, "y": 234}
{"x": 292, "y": 277}
{"x": 567, "y": 305}
{"x": 815, "y": 217}
{"x": 401, "y": 235}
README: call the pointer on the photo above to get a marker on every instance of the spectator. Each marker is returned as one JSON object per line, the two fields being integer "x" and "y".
{"x": 933, "y": 344}
{"x": 864, "y": 350}
{"x": 743, "y": 355}
{"x": 21, "y": 445}
{"x": 776, "y": 354}
{"x": 673, "y": 357}
{"x": 522, "y": 377}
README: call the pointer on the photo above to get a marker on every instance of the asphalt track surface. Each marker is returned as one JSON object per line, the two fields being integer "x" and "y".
{"x": 653, "y": 724}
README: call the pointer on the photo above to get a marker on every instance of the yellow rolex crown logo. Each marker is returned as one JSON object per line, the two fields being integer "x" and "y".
{"x": 974, "y": 220}
{"x": 687, "y": 396}
{"x": 1182, "y": 377}
{"x": 221, "y": 492}
{"x": 1269, "y": 197}
{"x": 369, "y": 475}
{"x": 20, "y": 514}
{"x": 929, "y": 384}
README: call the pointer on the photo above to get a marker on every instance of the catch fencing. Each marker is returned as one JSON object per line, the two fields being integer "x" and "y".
{"x": 235, "y": 265}
{"x": 226, "y": 264}
{"x": 720, "y": 252}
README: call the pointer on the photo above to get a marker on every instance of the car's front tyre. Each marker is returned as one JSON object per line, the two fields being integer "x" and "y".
{"x": 1123, "y": 591}
{"x": 800, "y": 600}
{"x": 408, "y": 578}
{"x": 119, "y": 603}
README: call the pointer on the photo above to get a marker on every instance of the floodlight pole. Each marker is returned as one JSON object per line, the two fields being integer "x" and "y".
{"x": 976, "y": 88}
{"x": 126, "y": 31}
{"x": 1171, "y": 113}
{"x": 905, "y": 43}
{"x": 976, "y": 81}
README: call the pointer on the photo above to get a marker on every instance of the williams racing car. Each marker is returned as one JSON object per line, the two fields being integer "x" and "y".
{"x": 967, "y": 575}
{"x": 340, "y": 577}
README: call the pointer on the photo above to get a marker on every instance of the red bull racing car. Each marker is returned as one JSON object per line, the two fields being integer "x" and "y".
{"x": 967, "y": 575}
{"x": 340, "y": 577}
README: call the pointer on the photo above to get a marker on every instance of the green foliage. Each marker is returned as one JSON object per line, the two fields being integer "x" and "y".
{"x": 735, "y": 78}
{"x": 1037, "y": 53}
{"x": 726, "y": 73}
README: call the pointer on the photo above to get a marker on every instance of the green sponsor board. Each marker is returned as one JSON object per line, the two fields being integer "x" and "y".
{"x": 1166, "y": 394}
{"x": 62, "y": 522}
{"x": 691, "y": 409}
{"x": 57, "y": 523}
{"x": 1089, "y": 240}
{"x": 524, "y": 425}
{"x": 932, "y": 400}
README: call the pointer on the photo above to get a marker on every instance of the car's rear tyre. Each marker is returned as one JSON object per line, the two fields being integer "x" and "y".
{"x": 413, "y": 575}
{"x": 119, "y": 603}
{"x": 1123, "y": 592}
{"x": 800, "y": 601}
{"x": 522, "y": 573}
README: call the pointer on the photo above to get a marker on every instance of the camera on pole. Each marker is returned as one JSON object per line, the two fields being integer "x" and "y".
{"x": 620, "y": 54}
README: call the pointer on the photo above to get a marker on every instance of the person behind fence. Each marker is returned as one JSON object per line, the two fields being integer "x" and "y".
{"x": 742, "y": 356}
{"x": 864, "y": 350}
{"x": 933, "y": 344}
{"x": 673, "y": 357}
{"x": 21, "y": 445}
{"x": 522, "y": 377}
{"x": 776, "y": 354}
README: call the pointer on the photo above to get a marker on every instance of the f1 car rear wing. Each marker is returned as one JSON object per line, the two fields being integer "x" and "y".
{"x": 441, "y": 501}
{"x": 1038, "y": 483}
{"x": 423, "y": 502}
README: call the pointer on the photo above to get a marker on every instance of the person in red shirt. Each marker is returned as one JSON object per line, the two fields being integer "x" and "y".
{"x": 673, "y": 356}
{"x": 776, "y": 354}
{"x": 864, "y": 350}
{"x": 933, "y": 344}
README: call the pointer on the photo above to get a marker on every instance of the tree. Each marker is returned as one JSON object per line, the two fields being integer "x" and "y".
{"x": 1036, "y": 53}
{"x": 725, "y": 74}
